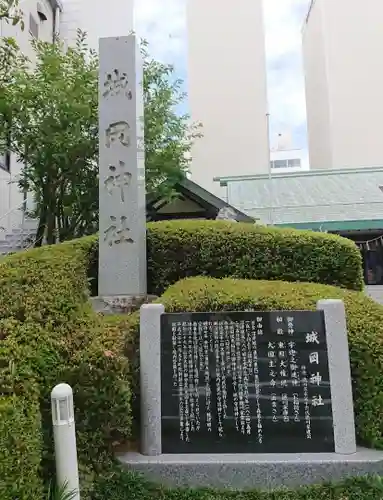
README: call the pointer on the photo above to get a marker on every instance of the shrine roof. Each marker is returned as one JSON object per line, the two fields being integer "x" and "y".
{"x": 308, "y": 199}
{"x": 201, "y": 199}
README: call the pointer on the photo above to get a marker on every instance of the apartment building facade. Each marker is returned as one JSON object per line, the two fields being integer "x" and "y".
{"x": 227, "y": 89}
{"x": 344, "y": 79}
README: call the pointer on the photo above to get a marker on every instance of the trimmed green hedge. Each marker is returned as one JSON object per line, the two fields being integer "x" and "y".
{"x": 218, "y": 249}
{"x": 364, "y": 320}
{"x": 50, "y": 334}
{"x": 20, "y": 449}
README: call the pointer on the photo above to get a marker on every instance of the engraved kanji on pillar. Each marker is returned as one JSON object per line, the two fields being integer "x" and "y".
{"x": 122, "y": 217}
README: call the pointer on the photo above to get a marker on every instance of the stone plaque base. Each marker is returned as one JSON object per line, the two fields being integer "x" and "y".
{"x": 249, "y": 471}
{"x": 120, "y": 304}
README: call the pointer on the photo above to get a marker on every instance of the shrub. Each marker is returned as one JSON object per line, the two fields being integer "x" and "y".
{"x": 100, "y": 379}
{"x": 49, "y": 332}
{"x": 364, "y": 321}
{"x": 220, "y": 249}
{"x": 179, "y": 249}
{"x": 20, "y": 449}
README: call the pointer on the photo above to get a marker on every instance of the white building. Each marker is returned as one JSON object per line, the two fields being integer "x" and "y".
{"x": 227, "y": 89}
{"x": 97, "y": 18}
{"x": 289, "y": 160}
{"x": 285, "y": 158}
{"x": 41, "y": 19}
{"x": 344, "y": 79}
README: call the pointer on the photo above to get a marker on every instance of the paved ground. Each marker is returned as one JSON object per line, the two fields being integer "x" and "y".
{"x": 375, "y": 292}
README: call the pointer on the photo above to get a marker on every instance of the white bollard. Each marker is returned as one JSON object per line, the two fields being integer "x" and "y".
{"x": 64, "y": 434}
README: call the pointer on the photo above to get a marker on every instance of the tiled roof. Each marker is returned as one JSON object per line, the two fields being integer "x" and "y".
{"x": 314, "y": 196}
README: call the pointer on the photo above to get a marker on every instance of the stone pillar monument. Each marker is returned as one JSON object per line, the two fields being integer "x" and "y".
{"x": 122, "y": 218}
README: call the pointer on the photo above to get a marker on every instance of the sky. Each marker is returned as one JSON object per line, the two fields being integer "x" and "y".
{"x": 163, "y": 24}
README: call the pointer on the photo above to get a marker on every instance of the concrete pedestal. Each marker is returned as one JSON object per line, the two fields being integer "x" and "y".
{"x": 253, "y": 471}
{"x": 123, "y": 304}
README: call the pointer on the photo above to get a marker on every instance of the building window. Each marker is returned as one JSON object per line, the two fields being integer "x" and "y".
{"x": 33, "y": 26}
{"x": 5, "y": 161}
{"x": 294, "y": 163}
{"x": 41, "y": 12}
{"x": 280, "y": 163}
{"x": 5, "y": 157}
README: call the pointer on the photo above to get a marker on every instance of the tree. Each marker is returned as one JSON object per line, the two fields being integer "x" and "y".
{"x": 53, "y": 108}
{"x": 10, "y": 12}
{"x": 53, "y": 112}
{"x": 168, "y": 135}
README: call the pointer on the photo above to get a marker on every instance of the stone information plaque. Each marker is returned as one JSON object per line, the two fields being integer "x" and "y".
{"x": 245, "y": 382}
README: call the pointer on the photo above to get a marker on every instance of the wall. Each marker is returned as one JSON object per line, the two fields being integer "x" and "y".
{"x": 354, "y": 51}
{"x": 352, "y": 40}
{"x": 10, "y": 195}
{"x": 316, "y": 83}
{"x": 227, "y": 89}
{"x": 98, "y": 18}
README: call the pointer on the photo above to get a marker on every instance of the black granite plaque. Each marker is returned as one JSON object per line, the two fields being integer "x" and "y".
{"x": 245, "y": 382}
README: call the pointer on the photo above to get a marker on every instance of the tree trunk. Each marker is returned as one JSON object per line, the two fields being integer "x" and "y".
{"x": 51, "y": 227}
{"x": 41, "y": 227}
{"x": 51, "y": 213}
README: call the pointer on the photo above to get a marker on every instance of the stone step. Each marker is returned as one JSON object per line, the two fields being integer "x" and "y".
{"x": 19, "y": 237}
{"x": 7, "y": 246}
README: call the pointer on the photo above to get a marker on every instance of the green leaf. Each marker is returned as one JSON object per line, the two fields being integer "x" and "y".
{"x": 61, "y": 493}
